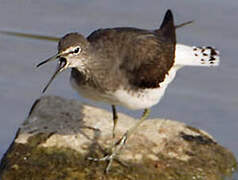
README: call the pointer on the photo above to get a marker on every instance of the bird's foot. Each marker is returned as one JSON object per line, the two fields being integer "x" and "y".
{"x": 116, "y": 148}
{"x": 109, "y": 158}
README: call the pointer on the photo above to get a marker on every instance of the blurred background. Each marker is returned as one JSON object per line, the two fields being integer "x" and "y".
{"x": 205, "y": 98}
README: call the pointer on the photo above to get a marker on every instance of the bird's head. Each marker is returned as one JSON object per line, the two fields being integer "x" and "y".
{"x": 72, "y": 52}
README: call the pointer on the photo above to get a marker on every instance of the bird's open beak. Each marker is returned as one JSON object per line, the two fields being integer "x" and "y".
{"x": 48, "y": 60}
{"x": 60, "y": 67}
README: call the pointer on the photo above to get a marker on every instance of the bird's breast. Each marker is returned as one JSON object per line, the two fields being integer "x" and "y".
{"x": 126, "y": 97}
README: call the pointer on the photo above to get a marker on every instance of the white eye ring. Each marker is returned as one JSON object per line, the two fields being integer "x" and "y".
{"x": 77, "y": 50}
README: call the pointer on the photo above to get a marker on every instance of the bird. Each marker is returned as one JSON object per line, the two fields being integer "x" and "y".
{"x": 127, "y": 66}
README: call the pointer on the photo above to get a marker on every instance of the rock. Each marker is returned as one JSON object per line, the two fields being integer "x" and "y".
{"x": 59, "y": 134}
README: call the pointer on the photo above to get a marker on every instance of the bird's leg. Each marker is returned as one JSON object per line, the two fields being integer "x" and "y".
{"x": 116, "y": 148}
{"x": 115, "y": 118}
{"x": 145, "y": 114}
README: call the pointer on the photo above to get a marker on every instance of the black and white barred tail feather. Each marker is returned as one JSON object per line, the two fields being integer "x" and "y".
{"x": 196, "y": 56}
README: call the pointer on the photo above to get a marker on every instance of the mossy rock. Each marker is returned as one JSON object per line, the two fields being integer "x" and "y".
{"x": 59, "y": 135}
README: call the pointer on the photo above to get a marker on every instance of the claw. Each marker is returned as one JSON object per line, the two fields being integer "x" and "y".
{"x": 105, "y": 158}
{"x": 116, "y": 148}
{"x": 110, "y": 157}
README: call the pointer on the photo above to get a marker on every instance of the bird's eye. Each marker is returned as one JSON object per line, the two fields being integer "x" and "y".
{"x": 76, "y": 50}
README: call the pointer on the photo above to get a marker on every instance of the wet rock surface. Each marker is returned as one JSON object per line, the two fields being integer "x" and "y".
{"x": 59, "y": 135}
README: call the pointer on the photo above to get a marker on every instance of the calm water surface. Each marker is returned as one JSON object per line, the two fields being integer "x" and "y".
{"x": 202, "y": 97}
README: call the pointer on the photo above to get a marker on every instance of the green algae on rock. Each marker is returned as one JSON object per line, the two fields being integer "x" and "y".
{"x": 59, "y": 135}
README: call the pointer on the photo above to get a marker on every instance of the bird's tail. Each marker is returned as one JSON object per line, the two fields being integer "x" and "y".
{"x": 196, "y": 56}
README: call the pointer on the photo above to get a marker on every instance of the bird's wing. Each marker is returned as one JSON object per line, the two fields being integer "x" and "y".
{"x": 143, "y": 56}
{"x": 148, "y": 61}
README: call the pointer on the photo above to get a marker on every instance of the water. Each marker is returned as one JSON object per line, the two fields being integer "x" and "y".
{"x": 202, "y": 97}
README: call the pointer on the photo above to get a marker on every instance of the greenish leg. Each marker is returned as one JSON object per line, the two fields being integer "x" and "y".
{"x": 115, "y": 119}
{"x": 115, "y": 149}
{"x": 144, "y": 116}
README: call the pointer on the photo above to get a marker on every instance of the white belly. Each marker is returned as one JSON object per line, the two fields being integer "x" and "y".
{"x": 140, "y": 99}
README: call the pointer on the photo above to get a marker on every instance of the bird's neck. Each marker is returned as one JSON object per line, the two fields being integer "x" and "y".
{"x": 88, "y": 72}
